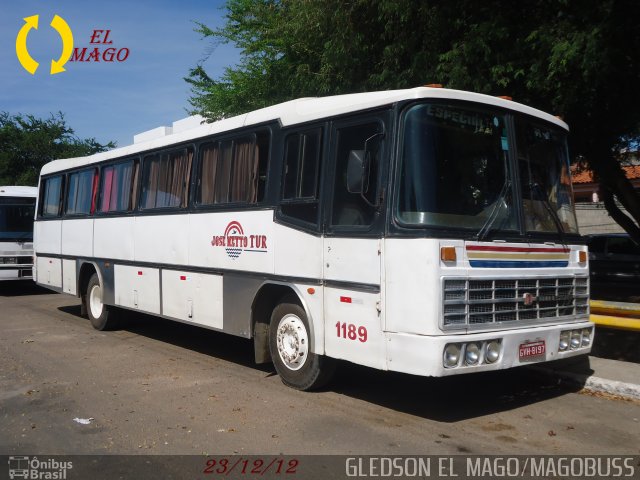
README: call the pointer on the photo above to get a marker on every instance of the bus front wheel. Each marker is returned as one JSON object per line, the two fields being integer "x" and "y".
{"x": 100, "y": 315}
{"x": 290, "y": 348}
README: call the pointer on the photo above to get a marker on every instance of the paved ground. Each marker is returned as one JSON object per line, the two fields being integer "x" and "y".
{"x": 161, "y": 387}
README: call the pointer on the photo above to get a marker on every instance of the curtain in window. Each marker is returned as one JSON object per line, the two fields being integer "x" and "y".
{"x": 94, "y": 192}
{"x": 122, "y": 188}
{"x": 229, "y": 172}
{"x": 166, "y": 179}
{"x": 85, "y": 192}
{"x": 223, "y": 173}
{"x": 245, "y": 172}
{"x": 179, "y": 164}
{"x": 163, "y": 194}
{"x": 210, "y": 156}
{"x": 72, "y": 193}
{"x": 107, "y": 179}
{"x": 52, "y": 197}
{"x": 80, "y": 196}
{"x": 134, "y": 185}
{"x": 116, "y": 187}
{"x": 151, "y": 168}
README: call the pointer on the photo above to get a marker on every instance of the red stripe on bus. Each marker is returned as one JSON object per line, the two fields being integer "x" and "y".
{"x": 345, "y": 299}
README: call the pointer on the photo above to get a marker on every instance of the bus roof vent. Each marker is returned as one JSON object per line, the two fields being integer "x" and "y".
{"x": 187, "y": 123}
{"x": 152, "y": 134}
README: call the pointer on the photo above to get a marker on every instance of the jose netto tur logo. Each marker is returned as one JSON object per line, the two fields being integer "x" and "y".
{"x": 33, "y": 468}
{"x": 235, "y": 241}
{"x": 100, "y": 47}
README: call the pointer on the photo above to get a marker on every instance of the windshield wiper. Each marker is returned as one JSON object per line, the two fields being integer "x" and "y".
{"x": 547, "y": 204}
{"x": 486, "y": 228}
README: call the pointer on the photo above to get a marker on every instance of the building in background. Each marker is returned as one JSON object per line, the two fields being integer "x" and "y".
{"x": 590, "y": 210}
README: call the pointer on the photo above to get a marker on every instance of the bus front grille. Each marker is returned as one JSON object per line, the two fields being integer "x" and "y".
{"x": 508, "y": 301}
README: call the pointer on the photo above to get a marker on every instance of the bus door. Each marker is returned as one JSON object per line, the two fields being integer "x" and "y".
{"x": 353, "y": 225}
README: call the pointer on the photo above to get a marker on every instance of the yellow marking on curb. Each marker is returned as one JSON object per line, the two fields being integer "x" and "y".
{"x": 615, "y": 308}
{"x": 616, "y": 322}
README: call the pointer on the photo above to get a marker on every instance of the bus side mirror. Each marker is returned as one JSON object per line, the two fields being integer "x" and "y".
{"x": 355, "y": 172}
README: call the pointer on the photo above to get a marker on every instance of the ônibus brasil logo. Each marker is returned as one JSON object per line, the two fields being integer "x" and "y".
{"x": 235, "y": 241}
{"x": 32, "y": 468}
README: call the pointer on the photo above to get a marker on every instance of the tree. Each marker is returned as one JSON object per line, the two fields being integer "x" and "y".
{"x": 576, "y": 59}
{"x": 27, "y": 143}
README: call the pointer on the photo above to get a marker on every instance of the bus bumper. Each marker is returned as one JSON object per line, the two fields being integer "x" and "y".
{"x": 20, "y": 273}
{"x": 429, "y": 356}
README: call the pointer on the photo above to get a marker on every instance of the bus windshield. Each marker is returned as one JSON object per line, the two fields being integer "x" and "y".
{"x": 456, "y": 172}
{"x": 545, "y": 180}
{"x": 16, "y": 219}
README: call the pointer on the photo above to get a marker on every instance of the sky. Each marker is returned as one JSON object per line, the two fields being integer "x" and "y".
{"x": 110, "y": 101}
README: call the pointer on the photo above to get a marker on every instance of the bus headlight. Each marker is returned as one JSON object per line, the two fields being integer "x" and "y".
{"x": 586, "y": 337}
{"x": 576, "y": 341}
{"x": 493, "y": 351}
{"x": 451, "y": 355}
{"x": 564, "y": 341}
{"x": 472, "y": 354}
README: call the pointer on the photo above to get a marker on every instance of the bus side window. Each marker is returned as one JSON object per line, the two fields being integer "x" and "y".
{"x": 349, "y": 208}
{"x": 165, "y": 179}
{"x": 301, "y": 175}
{"x": 233, "y": 170}
{"x": 52, "y": 193}
{"x": 81, "y": 192}
{"x": 117, "y": 187}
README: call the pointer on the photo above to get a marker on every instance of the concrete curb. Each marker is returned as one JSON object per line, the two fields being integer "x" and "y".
{"x": 622, "y": 389}
{"x": 596, "y": 384}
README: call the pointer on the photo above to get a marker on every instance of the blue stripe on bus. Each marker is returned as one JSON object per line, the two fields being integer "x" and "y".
{"x": 516, "y": 264}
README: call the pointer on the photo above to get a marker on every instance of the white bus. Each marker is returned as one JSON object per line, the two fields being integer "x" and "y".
{"x": 17, "y": 208}
{"x": 427, "y": 231}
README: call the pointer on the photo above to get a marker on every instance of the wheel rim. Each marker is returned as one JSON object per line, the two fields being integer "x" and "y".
{"x": 95, "y": 301}
{"x": 293, "y": 342}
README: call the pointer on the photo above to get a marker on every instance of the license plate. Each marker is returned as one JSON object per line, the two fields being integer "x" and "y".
{"x": 532, "y": 350}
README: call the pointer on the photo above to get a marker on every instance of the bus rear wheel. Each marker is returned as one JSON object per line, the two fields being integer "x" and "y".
{"x": 100, "y": 315}
{"x": 290, "y": 347}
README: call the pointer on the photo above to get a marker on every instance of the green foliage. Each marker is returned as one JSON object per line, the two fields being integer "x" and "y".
{"x": 578, "y": 60}
{"x": 297, "y": 48}
{"x": 27, "y": 143}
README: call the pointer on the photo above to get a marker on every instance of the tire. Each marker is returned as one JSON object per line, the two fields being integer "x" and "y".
{"x": 290, "y": 347}
{"x": 100, "y": 315}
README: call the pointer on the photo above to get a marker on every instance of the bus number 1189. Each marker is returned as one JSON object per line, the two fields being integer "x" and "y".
{"x": 351, "y": 332}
